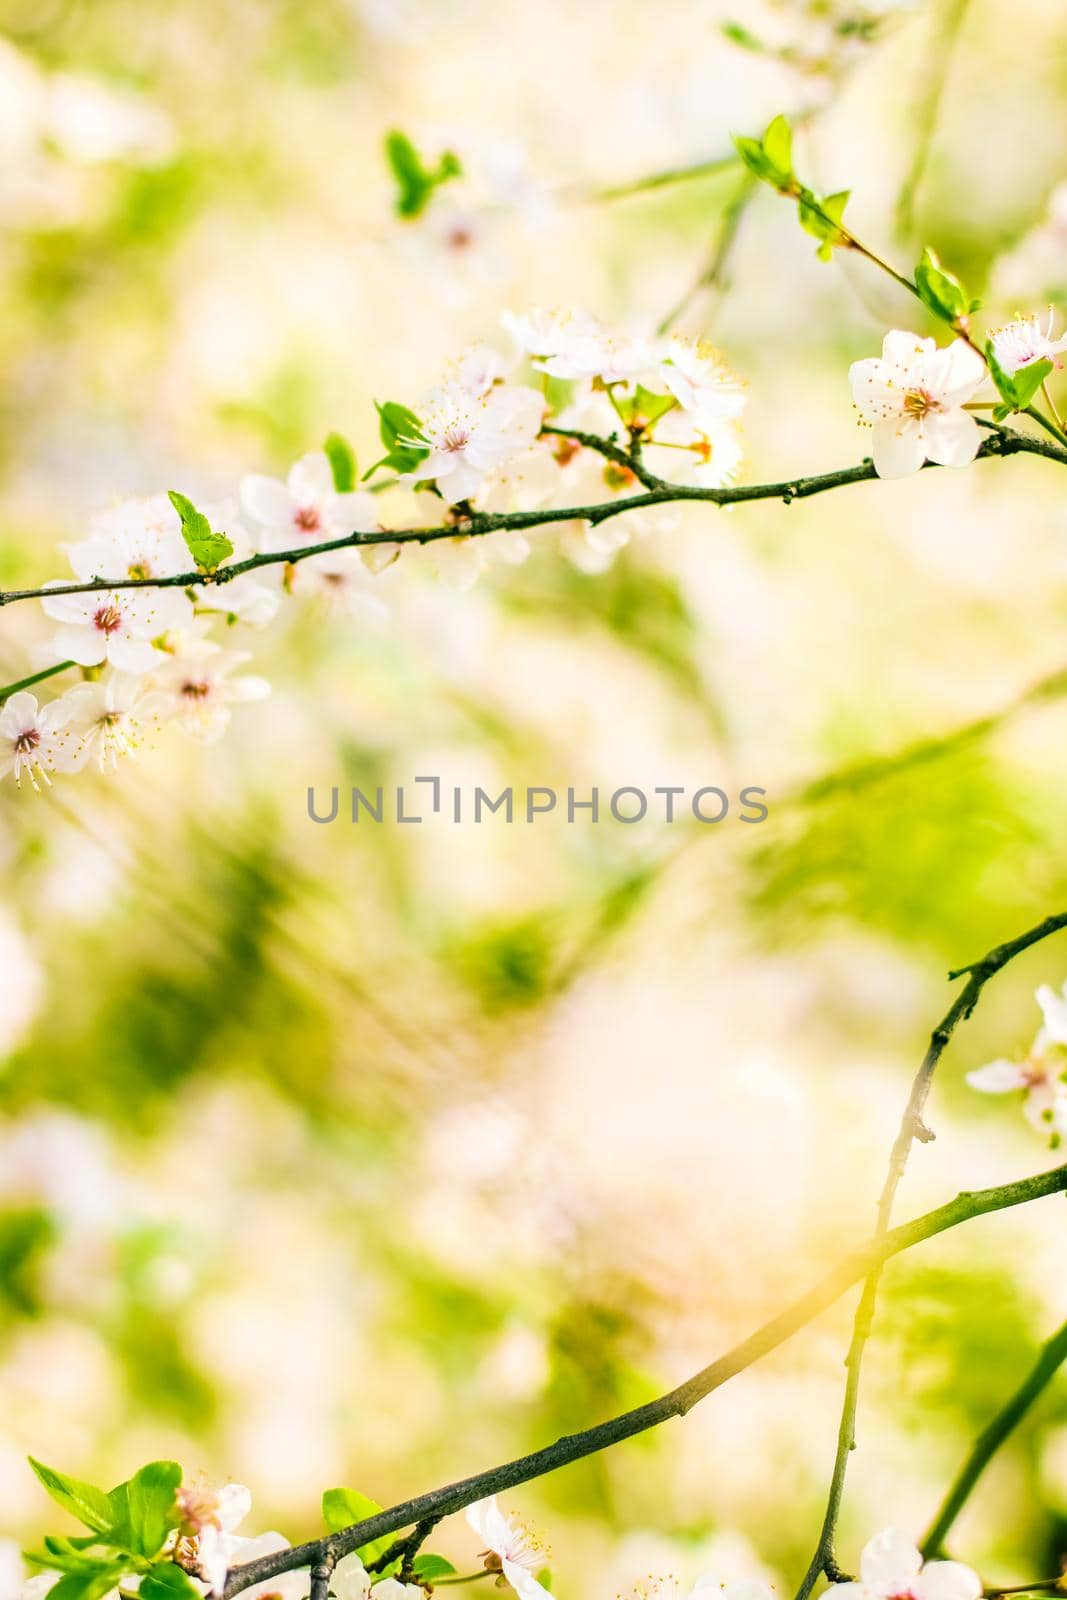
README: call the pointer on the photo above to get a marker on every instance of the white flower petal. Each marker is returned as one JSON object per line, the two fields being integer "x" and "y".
{"x": 1054, "y": 1010}
{"x": 523, "y": 1581}
{"x": 266, "y": 500}
{"x": 897, "y": 449}
{"x": 946, "y": 1580}
{"x": 999, "y": 1077}
{"x": 890, "y": 1562}
{"x": 951, "y": 438}
{"x": 311, "y": 479}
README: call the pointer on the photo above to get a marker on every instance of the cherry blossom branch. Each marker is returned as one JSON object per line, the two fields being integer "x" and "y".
{"x": 455, "y": 1496}
{"x": 1051, "y": 1358}
{"x": 629, "y": 460}
{"x": 405, "y": 1550}
{"x": 912, "y": 1129}
{"x": 1002, "y": 442}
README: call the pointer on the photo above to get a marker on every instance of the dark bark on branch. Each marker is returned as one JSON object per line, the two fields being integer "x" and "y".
{"x": 1002, "y": 442}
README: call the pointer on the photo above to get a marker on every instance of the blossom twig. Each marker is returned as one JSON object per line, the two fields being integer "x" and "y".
{"x": 405, "y": 1550}
{"x": 864, "y": 1264}
{"x": 1052, "y": 1356}
{"x": 629, "y": 460}
{"x": 454, "y": 1497}
{"x": 1003, "y": 442}
{"x": 912, "y": 1129}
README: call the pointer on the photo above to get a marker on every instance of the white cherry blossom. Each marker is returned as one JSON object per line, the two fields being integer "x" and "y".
{"x": 544, "y": 333}
{"x": 1020, "y": 343}
{"x": 698, "y": 377}
{"x": 708, "y": 452}
{"x": 35, "y": 740}
{"x": 111, "y": 717}
{"x": 510, "y": 1548}
{"x": 12, "y": 1570}
{"x": 138, "y": 538}
{"x": 891, "y": 1568}
{"x": 249, "y": 597}
{"x": 393, "y": 1589}
{"x": 913, "y": 395}
{"x": 207, "y": 1544}
{"x": 343, "y": 582}
{"x": 306, "y": 509}
{"x": 114, "y": 625}
{"x": 1042, "y": 1075}
{"x": 574, "y": 344}
{"x": 199, "y": 688}
{"x": 350, "y": 1580}
{"x": 471, "y": 434}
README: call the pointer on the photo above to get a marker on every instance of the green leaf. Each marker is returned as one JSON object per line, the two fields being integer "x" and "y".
{"x": 752, "y": 154}
{"x": 737, "y": 33}
{"x": 89, "y": 1504}
{"x": 428, "y": 1568}
{"x": 146, "y": 1507}
{"x": 401, "y": 433}
{"x": 770, "y": 158}
{"x": 341, "y": 1508}
{"x": 822, "y": 217}
{"x": 940, "y": 289}
{"x": 1005, "y": 381}
{"x": 1028, "y": 381}
{"x": 85, "y": 1554}
{"x": 88, "y": 1585}
{"x": 415, "y": 181}
{"x": 651, "y": 406}
{"x": 206, "y": 547}
{"x": 167, "y": 1581}
{"x": 778, "y": 145}
{"x": 342, "y": 459}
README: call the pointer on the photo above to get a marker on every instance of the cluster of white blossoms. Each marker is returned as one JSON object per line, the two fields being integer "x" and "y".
{"x": 917, "y": 396}
{"x": 206, "y": 1547}
{"x": 476, "y": 443}
{"x": 1041, "y": 1076}
{"x": 543, "y": 437}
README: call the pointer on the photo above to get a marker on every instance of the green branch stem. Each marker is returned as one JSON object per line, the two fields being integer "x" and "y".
{"x": 657, "y": 491}
{"x": 1049, "y": 1361}
{"x": 35, "y": 677}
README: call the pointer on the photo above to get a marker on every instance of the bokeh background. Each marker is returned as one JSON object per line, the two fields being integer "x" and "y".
{"x": 373, "y": 1156}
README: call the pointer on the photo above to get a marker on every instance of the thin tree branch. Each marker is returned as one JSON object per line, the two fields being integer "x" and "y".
{"x": 912, "y": 1129}
{"x": 1001, "y": 442}
{"x": 1052, "y": 1356}
{"x": 321, "y": 1573}
{"x": 35, "y": 677}
{"x": 661, "y": 180}
{"x": 629, "y": 460}
{"x": 573, "y": 1447}
{"x": 405, "y": 1550}
{"x": 927, "y": 114}
{"x": 713, "y": 274}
